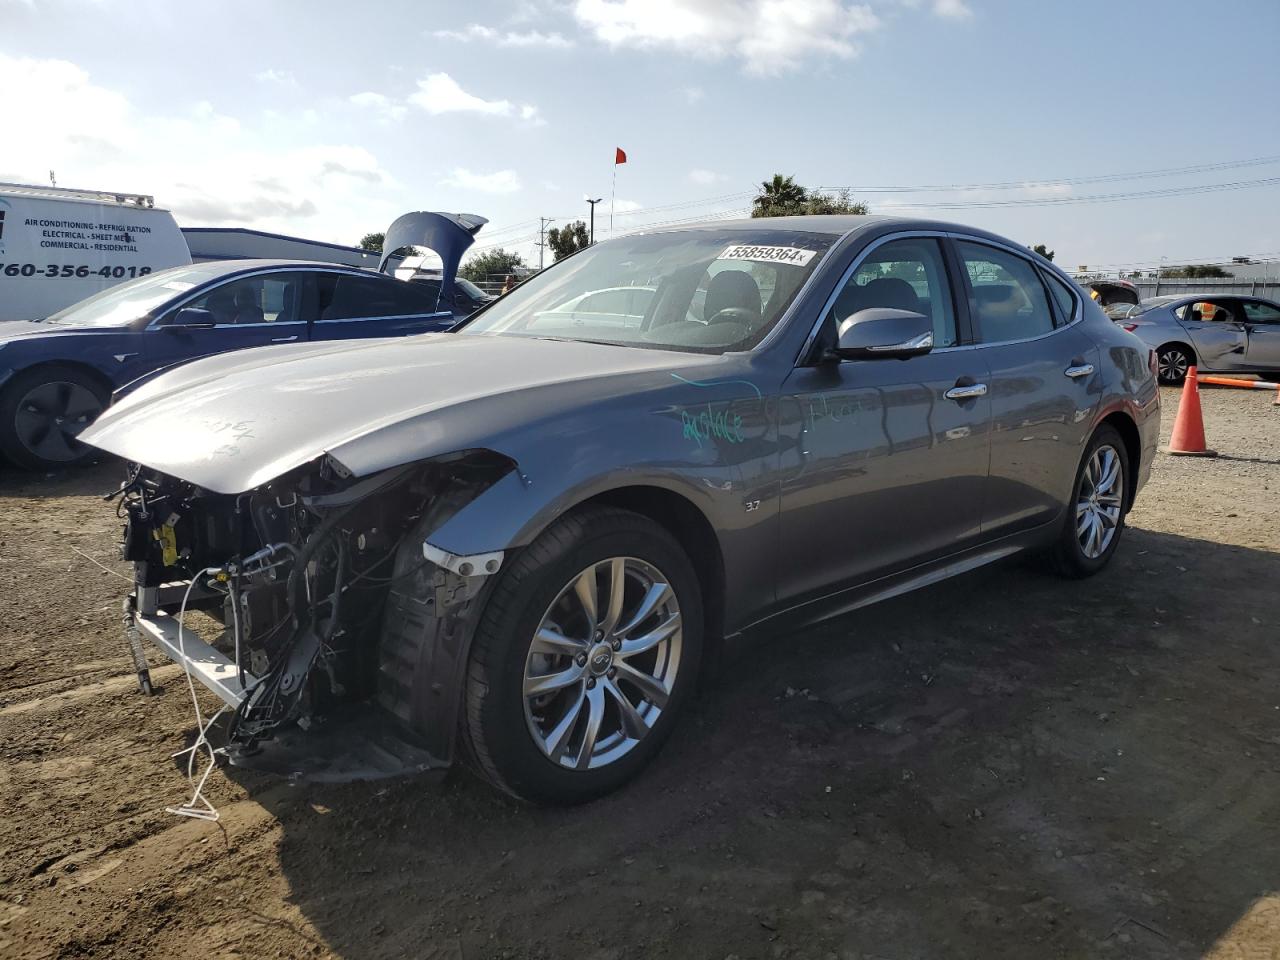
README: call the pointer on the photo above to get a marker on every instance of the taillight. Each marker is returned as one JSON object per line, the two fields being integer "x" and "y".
{"x": 1130, "y": 326}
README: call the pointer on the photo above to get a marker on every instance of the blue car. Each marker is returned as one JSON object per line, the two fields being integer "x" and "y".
{"x": 58, "y": 374}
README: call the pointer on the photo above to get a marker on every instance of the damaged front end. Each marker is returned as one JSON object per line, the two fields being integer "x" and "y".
{"x": 315, "y": 607}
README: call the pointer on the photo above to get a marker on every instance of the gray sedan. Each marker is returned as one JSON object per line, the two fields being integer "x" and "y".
{"x": 520, "y": 544}
{"x": 1218, "y": 334}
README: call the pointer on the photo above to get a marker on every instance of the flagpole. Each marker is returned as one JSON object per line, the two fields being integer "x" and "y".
{"x": 613, "y": 192}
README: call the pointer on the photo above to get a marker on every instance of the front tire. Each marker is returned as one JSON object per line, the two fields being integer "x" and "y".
{"x": 583, "y": 658}
{"x": 1096, "y": 511}
{"x": 42, "y": 411}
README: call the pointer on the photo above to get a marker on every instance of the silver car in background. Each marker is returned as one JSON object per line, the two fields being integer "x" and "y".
{"x": 1219, "y": 334}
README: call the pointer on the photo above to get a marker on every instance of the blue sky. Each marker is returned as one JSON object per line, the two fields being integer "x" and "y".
{"x": 327, "y": 120}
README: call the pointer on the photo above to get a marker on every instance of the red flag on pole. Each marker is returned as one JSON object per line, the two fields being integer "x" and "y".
{"x": 620, "y": 156}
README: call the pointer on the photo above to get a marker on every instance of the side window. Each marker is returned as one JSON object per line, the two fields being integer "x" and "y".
{"x": 268, "y": 298}
{"x": 1257, "y": 312}
{"x": 1063, "y": 299}
{"x": 1009, "y": 299}
{"x": 1210, "y": 311}
{"x": 345, "y": 296}
{"x": 905, "y": 275}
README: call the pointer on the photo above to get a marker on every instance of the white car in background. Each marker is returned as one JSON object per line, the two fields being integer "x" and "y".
{"x": 620, "y": 306}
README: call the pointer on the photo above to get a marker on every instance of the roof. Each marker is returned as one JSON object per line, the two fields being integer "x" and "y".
{"x": 834, "y": 224}
{"x": 226, "y": 267}
{"x": 280, "y": 236}
{"x": 837, "y": 225}
{"x": 139, "y": 201}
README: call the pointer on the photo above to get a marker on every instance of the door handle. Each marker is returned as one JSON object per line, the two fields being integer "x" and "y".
{"x": 284, "y": 339}
{"x": 1079, "y": 370}
{"x": 966, "y": 392}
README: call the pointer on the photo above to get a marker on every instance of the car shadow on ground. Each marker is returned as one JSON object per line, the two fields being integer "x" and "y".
{"x": 98, "y": 476}
{"x": 1004, "y": 765}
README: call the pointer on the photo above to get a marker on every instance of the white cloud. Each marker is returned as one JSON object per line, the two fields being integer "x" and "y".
{"x": 693, "y": 95}
{"x": 210, "y": 168}
{"x": 383, "y": 107}
{"x": 440, "y": 93}
{"x": 500, "y": 181}
{"x": 767, "y": 36}
{"x": 284, "y": 78}
{"x": 507, "y": 38}
{"x": 952, "y": 9}
{"x": 705, "y": 177}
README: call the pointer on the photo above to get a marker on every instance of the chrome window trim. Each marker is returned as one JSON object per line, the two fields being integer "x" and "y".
{"x": 953, "y": 235}
{"x": 267, "y": 271}
{"x": 392, "y": 316}
{"x": 1009, "y": 248}
{"x": 852, "y": 269}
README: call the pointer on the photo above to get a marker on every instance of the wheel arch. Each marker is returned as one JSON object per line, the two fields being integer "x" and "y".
{"x": 99, "y": 378}
{"x": 691, "y": 528}
{"x": 1124, "y": 425}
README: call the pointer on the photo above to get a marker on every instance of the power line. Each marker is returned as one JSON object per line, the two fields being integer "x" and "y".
{"x": 1067, "y": 181}
{"x": 1090, "y": 198}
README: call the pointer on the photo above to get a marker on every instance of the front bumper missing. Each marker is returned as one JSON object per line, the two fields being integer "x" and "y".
{"x": 358, "y": 743}
{"x": 207, "y": 665}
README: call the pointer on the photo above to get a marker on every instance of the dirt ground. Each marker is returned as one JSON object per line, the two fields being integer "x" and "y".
{"x": 1005, "y": 765}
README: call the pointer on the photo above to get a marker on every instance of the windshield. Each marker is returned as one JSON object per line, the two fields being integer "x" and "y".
{"x": 125, "y": 302}
{"x": 705, "y": 291}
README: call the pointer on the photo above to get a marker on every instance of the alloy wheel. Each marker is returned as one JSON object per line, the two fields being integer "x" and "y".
{"x": 602, "y": 663}
{"x": 1172, "y": 365}
{"x": 50, "y": 417}
{"x": 1100, "y": 502}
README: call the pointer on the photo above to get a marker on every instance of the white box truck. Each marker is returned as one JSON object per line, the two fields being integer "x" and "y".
{"x": 58, "y": 246}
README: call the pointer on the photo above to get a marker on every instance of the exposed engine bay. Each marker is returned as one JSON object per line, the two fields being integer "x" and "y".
{"x": 313, "y": 601}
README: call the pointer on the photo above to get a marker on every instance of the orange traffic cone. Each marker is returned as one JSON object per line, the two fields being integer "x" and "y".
{"x": 1188, "y": 426}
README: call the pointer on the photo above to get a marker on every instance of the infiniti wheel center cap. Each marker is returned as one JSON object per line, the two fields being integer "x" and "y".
{"x": 600, "y": 659}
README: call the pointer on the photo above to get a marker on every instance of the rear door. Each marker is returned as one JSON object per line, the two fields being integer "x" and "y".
{"x": 354, "y": 306}
{"x": 1262, "y": 331}
{"x": 1217, "y": 332}
{"x": 884, "y": 462}
{"x": 1044, "y": 383}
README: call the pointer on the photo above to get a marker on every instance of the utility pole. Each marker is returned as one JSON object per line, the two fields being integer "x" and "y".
{"x": 542, "y": 239}
{"x": 593, "y": 216}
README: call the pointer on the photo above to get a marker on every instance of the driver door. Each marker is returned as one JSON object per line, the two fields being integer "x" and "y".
{"x": 246, "y": 311}
{"x": 884, "y": 462}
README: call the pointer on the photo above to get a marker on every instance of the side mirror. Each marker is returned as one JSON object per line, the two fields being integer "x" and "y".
{"x": 880, "y": 333}
{"x": 191, "y": 318}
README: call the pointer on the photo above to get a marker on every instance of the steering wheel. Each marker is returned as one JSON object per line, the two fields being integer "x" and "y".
{"x": 742, "y": 315}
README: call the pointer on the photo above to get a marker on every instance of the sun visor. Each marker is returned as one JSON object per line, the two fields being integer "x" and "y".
{"x": 447, "y": 234}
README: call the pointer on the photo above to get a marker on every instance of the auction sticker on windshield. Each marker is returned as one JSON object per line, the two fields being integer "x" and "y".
{"x": 745, "y": 251}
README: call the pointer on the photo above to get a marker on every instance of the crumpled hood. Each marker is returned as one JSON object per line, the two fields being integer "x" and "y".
{"x": 232, "y": 422}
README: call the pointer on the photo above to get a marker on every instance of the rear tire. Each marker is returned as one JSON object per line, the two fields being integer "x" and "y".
{"x": 42, "y": 411}
{"x": 1097, "y": 509}
{"x": 544, "y": 673}
{"x": 1173, "y": 360}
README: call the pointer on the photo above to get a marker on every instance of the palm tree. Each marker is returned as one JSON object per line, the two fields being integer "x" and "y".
{"x": 779, "y": 197}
